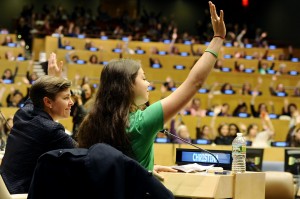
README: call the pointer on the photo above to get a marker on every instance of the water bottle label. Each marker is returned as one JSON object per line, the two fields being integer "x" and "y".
{"x": 239, "y": 149}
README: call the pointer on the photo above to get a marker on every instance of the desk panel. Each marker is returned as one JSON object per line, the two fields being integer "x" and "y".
{"x": 205, "y": 185}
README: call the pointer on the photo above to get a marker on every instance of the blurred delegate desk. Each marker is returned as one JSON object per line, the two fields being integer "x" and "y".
{"x": 165, "y": 154}
{"x": 247, "y": 185}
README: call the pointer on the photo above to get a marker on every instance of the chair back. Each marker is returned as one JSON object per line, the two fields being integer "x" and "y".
{"x": 279, "y": 185}
{"x": 98, "y": 172}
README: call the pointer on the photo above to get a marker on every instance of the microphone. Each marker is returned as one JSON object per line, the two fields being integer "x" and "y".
{"x": 167, "y": 133}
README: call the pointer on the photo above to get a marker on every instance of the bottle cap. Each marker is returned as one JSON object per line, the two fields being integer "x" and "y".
{"x": 239, "y": 134}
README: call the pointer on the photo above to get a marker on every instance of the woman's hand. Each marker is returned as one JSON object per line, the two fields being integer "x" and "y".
{"x": 158, "y": 168}
{"x": 217, "y": 22}
{"x": 54, "y": 69}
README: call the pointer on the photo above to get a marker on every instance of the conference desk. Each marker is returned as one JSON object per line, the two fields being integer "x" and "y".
{"x": 165, "y": 154}
{"x": 247, "y": 185}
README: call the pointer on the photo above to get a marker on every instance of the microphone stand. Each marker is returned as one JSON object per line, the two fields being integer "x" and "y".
{"x": 167, "y": 133}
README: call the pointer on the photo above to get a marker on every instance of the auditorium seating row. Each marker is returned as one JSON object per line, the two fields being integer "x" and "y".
{"x": 108, "y": 45}
{"x": 281, "y": 126}
{"x": 232, "y": 100}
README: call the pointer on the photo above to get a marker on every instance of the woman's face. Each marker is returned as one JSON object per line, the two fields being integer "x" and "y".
{"x": 233, "y": 130}
{"x": 7, "y": 74}
{"x": 253, "y": 131}
{"x": 140, "y": 88}
{"x": 224, "y": 131}
{"x": 263, "y": 107}
{"x": 60, "y": 107}
{"x": 206, "y": 130}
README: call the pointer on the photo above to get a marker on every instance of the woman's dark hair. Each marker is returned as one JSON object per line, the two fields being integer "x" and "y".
{"x": 109, "y": 117}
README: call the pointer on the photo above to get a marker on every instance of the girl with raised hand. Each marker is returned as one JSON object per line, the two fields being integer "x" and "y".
{"x": 116, "y": 117}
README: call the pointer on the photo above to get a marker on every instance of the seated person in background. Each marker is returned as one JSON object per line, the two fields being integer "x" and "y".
{"x": 16, "y": 98}
{"x": 168, "y": 85}
{"x": 83, "y": 99}
{"x": 218, "y": 65}
{"x": 263, "y": 138}
{"x": 222, "y": 136}
{"x": 282, "y": 70}
{"x": 154, "y": 62}
{"x": 289, "y": 109}
{"x": 295, "y": 141}
{"x": 204, "y": 132}
{"x": 2, "y": 141}
{"x": 8, "y": 77}
{"x": 264, "y": 67}
{"x": 247, "y": 90}
{"x": 5, "y": 129}
{"x": 262, "y": 107}
{"x": 233, "y": 129}
{"x": 93, "y": 59}
{"x": 2, "y": 90}
{"x": 9, "y": 55}
{"x": 174, "y": 50}
{"x": 31, "y": 77}
{"x": 7, "y": 39}
{"x": 35, "y": 130}
{"x": 195, "y": 108}
{"x": 71, "y": 58}
{"x": 297, "y": 90}
{"x": 198, "y": 51}
{"x": 240, "y": 108}
{"x": 225, "y": 110}
{"x": 179, "y": 129}
{"x": 227, "y": 87}
{"x": 239, "y": 67}
{"x": 280, "y": 89}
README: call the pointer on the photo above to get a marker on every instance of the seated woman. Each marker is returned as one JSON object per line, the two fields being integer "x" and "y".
{"x": 35, "y": 130}
{"x": 195, "y": 108}
{"x": 168, "y": 85}
{"x": 248, "y": 90}
{"x": 227, "y": 88}
{"x": 204, "y": 132}
{"x": 179, "y": 129}
{"x": 264, "y": 137}
{"x": 93, "y": 59}
{"x": 8, "y": 77}
{"x": 279, "y": 90}
{"x": 241, "y": 110}
{"x": 262, "y": 107}
{"x": 222, "y": 136}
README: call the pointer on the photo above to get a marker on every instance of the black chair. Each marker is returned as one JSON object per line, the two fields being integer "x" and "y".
{"x": 98, "y": 172}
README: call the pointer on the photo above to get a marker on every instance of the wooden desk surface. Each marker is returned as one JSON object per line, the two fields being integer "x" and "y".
{"x": 205, "y": 185}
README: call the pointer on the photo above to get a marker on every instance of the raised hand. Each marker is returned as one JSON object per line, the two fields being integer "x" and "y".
{"x": 54, "y": 69}
{"x": 217, "y": 22}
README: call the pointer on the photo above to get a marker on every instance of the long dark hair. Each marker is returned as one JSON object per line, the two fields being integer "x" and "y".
{"x": 109, "y": 117}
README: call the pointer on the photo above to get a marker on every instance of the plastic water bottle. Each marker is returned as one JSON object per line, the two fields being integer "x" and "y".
{"x": 239, "y": 154}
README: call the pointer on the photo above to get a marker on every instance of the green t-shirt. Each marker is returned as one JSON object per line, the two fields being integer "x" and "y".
{"x": 143, "y": 128}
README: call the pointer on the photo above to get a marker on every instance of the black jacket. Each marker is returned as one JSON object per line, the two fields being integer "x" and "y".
{"x": 98, "y": 172}
{"x": 34, "y": 133}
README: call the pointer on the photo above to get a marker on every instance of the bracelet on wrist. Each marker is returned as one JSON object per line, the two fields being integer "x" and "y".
{"x": 219, "y": 36}
{"x": 215, "y": 54}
